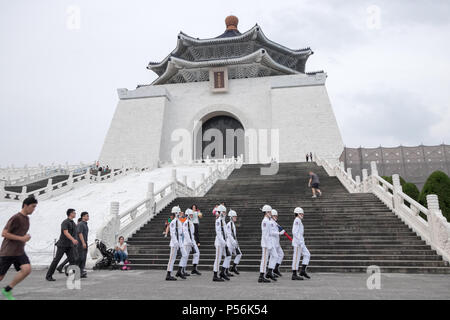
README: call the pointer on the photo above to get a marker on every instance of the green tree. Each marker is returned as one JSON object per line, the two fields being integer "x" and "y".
{"x": 411, "y": 190}
{"x": 438, "y": 183}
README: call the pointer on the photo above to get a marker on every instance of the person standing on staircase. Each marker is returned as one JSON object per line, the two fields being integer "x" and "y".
{"x": 313, "y": 183}
{"x": 176, "y": 243}
{"x": 268, "y": 249}
{"x": 276, "y": 232}
{"x": 197, "y": 215}
{"x": 219, "y": 242}
{"x": 193, "y": 243}
{"x": 307, "y": 157}
{"x": 232, "y": 243}
{"x": 298, "y": 242}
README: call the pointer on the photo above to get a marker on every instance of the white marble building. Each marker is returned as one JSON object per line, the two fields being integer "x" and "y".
{"x": 235, "y": 81}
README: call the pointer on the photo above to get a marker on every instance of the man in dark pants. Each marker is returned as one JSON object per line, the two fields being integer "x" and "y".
{"x": 65, "y": 264}
{"x": 65, "y": 245}
{"x": 82, "y": 237}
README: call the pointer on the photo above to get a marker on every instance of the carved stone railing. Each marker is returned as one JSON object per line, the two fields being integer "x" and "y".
{"x": 55, "y": 189}
{"x": 126, "y": 223}
{"x": 428, "y": 223}
{"x": 27, "y": 175}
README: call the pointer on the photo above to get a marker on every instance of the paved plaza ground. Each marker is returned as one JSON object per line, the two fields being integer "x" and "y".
{"x": 137, "y": 284}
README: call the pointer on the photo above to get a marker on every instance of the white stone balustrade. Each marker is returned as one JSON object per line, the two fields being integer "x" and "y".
{"x": 434, "y": 229}
{"x": 135, "y": 217}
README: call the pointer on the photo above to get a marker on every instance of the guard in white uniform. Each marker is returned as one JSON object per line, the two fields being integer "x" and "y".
{"x": 277, "y": 231}
{"x": 176, "y": 243}
{"x": 219, "y": 243}
{"x": 187, "y": 243}
{"x": 193, "y": 246}
{"x": 298, "y": 242}
{"x": 268, "y": 249}
{"x": 232, "y": 244}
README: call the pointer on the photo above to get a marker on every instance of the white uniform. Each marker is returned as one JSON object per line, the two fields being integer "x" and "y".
{"x": 268, "y": 250}
{"x": 187, "y": 243}
{"x": 176, "y": 243}
{"x": 232, "y": 244}
{"x": 276, "y": 240}
{"x": 298, "y": 242}
{"x": 194, "y": 247}
{"x": 219, "y": 243}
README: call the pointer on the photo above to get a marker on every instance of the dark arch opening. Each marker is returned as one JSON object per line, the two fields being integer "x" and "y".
{"x": 230, "y": 136}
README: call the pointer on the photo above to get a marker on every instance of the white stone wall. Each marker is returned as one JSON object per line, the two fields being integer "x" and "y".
{"x": 134, "y": 137}
{"x": 297, "y": 105}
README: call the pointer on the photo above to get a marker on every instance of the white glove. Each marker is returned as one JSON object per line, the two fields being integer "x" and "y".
{"x": 282, "y": 232}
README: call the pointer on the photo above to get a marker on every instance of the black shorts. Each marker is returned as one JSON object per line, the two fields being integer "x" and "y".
{"x": 17, "y": 261}
{"x": 315, "y": 185}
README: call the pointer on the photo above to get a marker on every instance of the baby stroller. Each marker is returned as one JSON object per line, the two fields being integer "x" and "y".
{"x": 108, "y": 261}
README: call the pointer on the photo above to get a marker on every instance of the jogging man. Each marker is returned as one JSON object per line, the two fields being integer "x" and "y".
{"x": 12, "y": 251}
{"x": 314, "y": 184}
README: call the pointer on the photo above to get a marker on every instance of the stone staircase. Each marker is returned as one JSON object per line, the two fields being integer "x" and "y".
{"x": 344, "y": 232}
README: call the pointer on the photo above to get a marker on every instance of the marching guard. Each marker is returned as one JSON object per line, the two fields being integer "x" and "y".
{"x": 277, "y": 230}
{"x": 267, "y": 247}
{"x": 220, "y": 243}
{"x": 176, "y": 243}
{"x": 298, "y": 242}
{"x": 232, "y": 244}
{"x": 192, "y": 243}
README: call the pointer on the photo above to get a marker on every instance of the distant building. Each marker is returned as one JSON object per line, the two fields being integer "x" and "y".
{"x": 414, "y": 164}
{"x": 242, "y": 83}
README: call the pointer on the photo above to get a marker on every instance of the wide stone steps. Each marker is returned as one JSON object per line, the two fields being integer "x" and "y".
{"x": 344, "y": 232}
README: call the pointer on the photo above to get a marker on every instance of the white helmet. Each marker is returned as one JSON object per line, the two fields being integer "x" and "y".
{"x": 266, "y": 208}
{"x": 176, "y": 210}
{"x": 189, "y": 211}
{"x": 298, "y": 210}
{"x": 232, "y": 213}
{"x": 221, "y": 208}
{"x": 274, "y": 212}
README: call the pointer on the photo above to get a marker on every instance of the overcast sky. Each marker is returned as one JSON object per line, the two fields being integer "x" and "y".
{"x": 388, "y": 65}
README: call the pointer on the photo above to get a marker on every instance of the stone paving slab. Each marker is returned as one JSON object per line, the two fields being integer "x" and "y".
{"x": 150, "y": 284}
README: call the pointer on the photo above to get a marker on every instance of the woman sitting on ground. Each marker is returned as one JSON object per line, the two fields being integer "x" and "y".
{"x": 121, "y": 254}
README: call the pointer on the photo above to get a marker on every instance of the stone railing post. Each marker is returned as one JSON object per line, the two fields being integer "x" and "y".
{"x": 70, "y": 180}
{"x": 2, "y": 190}
{"x": 88, "y": 175}
{"x": 349, "y": 172}
{"x": 151, "y": 198}
{"x": 364, "y": 180}
{"x": 373, "y": 168}
{"x": 439, "y": 227}
{"x": 358, "y": 183}
{"x": 398, "y": 201}
{"x": 99, "y": 176}
{"x": 114, "y": 212}
{"x": 23, "y": 194}
{"x": 49, "y": 189}
{"x": 193, "y": 188}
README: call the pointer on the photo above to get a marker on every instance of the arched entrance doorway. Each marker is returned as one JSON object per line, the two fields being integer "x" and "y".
{"x": 219, "y": 136}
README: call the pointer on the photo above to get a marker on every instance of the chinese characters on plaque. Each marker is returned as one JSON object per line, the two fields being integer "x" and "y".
{"x": 218, "y": 79}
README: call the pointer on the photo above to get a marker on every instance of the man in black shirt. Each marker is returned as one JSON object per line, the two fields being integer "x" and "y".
{"x": 82, "y": 237}
{"x": 66, "y": 244}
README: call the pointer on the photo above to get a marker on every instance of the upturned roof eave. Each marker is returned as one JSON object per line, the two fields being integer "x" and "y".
{"x": 256, "y": 30}
{"x": 260, "y": 56}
